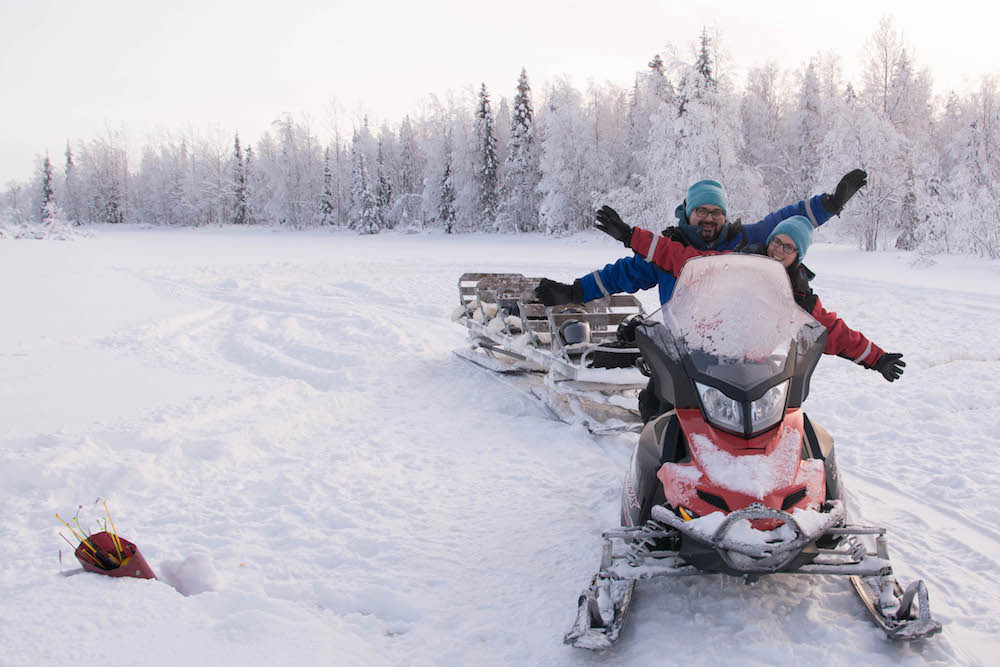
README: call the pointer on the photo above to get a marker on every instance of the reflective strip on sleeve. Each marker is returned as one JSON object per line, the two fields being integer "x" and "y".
{"x": 652, "y": 247}
{"x": 809, "y": 212}
{"x": 865, "y": 354}
{"x": 600, "y": 285}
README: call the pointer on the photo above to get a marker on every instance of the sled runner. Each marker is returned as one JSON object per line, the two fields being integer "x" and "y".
{"x": 569, "y": 357}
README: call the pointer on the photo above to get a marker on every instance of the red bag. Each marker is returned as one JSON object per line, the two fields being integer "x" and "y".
{"x": 132, "y": 563}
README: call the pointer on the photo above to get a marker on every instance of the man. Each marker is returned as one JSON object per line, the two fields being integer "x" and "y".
{"x": 702, "y": 224}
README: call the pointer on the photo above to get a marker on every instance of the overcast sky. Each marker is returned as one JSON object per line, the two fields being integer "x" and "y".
{"x": 70, "y": 69}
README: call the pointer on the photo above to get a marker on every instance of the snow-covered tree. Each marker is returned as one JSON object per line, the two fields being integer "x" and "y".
{"x": 256, "y": 188}
{"x": 411, "y": 161}
{"x": 975, "y": 180}
{"x": 239, "y": 216}
{"x": 407, "y": 211}
{"x": 47, "y": 203}
{"x": 657, "y": 85}
{"x": 705, "y": 141}
{"x": 71, "y": 189}
{"x": 566, "y": 204}
{"x": 327, "y": 199}
{"x": 764, "y": 146}
{"x": 892, "y": 84}
{"x": 519, "y": 204}
{"x": 103, "y": 164}
{"x": 501, "y": 127}
{"x": 446, "y": 203}
{"x": 364, "y": 216}
{"x": 867, "y": 139}
{"x": 703, "y": 66}
{"x": 652, "y": 94}
{"x": 606, "y": 112}
{"x": 487, "y": 162}
{"x": 909, "y": 216}
{"x": 383, "y": 187}
{"x": 810, "y": 129}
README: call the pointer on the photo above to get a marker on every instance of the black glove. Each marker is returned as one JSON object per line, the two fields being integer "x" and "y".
{"x": 552, "y": 293}
{"x": 626, "y": 329}
{"x": 609, "y": 222}
{"x": 848, "y": 186}
{"x": 890, "y": 365}
{"x": 675, "y": 234}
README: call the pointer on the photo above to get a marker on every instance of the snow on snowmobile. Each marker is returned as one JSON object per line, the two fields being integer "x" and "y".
{"x": 736, "y": 479}
{"x": 570, "y": 357}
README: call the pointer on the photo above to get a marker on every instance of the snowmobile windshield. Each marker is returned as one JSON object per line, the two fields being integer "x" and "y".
{"x": 737, "y": 318}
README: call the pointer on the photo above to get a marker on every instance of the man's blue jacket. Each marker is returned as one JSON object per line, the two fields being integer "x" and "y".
{"x": 631, "y": 274}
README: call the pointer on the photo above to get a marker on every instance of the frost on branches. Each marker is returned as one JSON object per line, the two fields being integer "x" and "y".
{"x": 527, "y": 163}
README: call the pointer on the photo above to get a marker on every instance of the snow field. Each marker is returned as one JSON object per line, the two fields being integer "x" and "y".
{"x": 279, "y": 424}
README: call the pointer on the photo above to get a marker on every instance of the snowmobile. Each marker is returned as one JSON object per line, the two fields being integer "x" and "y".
{"x": 735, "y": 479}
{"x": 569, "y": 357}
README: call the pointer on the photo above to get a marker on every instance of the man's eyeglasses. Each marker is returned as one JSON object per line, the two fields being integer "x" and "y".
{"x": 717, "y": 214}
{"x": 787, "y": 248}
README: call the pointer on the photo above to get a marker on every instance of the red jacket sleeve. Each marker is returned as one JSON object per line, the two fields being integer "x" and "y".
{"x": 845, "y": 341}
{"x": 664, "y": 253}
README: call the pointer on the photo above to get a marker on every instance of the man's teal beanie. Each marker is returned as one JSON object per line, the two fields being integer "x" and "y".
{"x": 706, "y": 192}
{"x": 799, "y": 229}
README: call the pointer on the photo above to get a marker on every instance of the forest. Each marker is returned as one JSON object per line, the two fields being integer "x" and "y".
{"x": 541, "y": 162}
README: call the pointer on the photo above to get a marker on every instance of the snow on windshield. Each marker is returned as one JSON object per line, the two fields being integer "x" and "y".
{"x": 735, "y": 306}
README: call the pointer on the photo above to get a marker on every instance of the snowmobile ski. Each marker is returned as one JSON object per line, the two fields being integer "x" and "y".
{"x": 902, "y": 615}
{"x": 601, "y": 614}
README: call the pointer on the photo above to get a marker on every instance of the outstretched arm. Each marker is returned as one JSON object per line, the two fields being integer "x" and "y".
{"x": 850, "y": 344}
{"x": 817, "y": 209}
{"x": 628, "y": 274}
{"x": 666, "y": 254}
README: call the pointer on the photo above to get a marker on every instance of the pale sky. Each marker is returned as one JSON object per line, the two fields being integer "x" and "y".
{"x": 71, "y": 69}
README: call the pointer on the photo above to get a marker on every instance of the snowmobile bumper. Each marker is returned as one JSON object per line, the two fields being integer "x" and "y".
{"x": 791, "y": 548}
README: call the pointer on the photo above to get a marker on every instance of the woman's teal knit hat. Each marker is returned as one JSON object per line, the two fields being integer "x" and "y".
{"x": 799, "y": 229}
{"x": 705, "y": 192}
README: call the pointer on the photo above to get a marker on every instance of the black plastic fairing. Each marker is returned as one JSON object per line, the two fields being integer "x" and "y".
{"x": 642, "y": 489}
{"x": 819, "y": 445}
{"x": 807, "y": 356}
{"x": 676, "y": 370}
{"x": 660, "y": 353}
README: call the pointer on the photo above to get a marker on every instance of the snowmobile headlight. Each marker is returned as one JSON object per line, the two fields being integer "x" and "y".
{"x": 720, "y": 409}
{"x": 768, "y": 410}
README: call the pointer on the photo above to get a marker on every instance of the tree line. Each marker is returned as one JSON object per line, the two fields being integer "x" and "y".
{"x": 470, "y": 164}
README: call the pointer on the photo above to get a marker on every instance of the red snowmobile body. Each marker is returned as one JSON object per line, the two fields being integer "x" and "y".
{"x": 738, "y": 436}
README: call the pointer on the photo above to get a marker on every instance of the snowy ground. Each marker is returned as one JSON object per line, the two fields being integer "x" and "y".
{"x": 279, "y": 424}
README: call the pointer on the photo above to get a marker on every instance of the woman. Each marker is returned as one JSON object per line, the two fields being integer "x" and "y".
{"x": 787, "y": 243}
